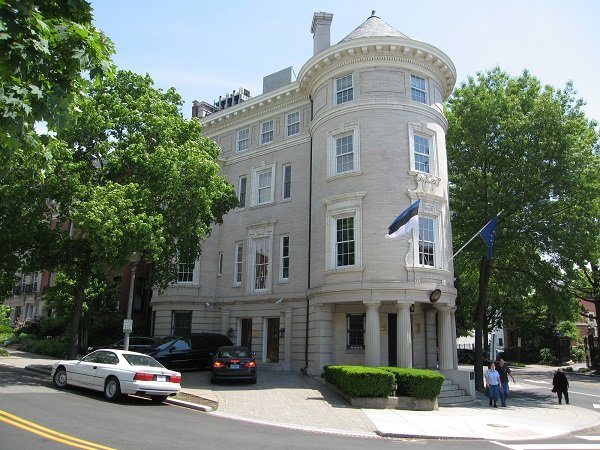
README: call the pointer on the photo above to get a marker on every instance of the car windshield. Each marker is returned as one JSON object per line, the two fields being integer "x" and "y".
{"x": 141, "y": 360}
{"x": 234, "y": 353}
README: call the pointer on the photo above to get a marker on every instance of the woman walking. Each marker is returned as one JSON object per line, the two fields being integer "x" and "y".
{"x": 492, "y": 383}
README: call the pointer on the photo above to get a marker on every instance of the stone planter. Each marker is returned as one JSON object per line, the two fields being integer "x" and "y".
{"x": 406, "y": 403}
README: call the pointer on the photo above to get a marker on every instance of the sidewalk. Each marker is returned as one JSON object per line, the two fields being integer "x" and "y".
{"x": 293, "y": 400}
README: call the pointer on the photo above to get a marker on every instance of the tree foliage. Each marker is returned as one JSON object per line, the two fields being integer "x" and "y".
{"x": 48, "y": 48}
{"x": 45, "y": 45}
{"x": 527, "y": 150}
{"x": 129, "y": 175}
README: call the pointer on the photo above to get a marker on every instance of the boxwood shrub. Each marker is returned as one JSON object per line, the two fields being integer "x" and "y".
{"x": 363, "y": 381}
{"x": 360, "y": 381}
{"x": 418, "y": 383}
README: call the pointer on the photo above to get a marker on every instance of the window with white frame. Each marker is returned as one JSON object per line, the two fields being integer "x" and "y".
{"x": 344, "y": 154}
{"x": 261, "y": 263}
{"x": 344, "y": 150}
{"x": 185, "y": 272}
{"x": 292, "y": 122}
{"x": 343, "y": 232}
{"x": 355, "y": 326}
{"x": 422, "y": 153}
{"x": 427, "y": 234}
{"x": 220, "y": 264}
{"x": 243, "y": 139}
{"x": 29, "y": 311}
{"x": 242, "y": 191}
{"x": 422, "y": 144}
{"x": 266, "y": 132}
{"x": 418, "y": 89}
{"x": 263, "y": 185}
{"x": 286, "y": 182}
{"x": 239, "y": 263}
{"x": 284, "y": 273}
{"x": 344, "y": 91}
{"x": 345, "y": 242}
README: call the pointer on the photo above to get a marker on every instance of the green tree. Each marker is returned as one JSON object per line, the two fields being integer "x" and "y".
{"x": 48, "y": 48}
{"x": 130, "y": 175}
{"x": 528, "y": 150}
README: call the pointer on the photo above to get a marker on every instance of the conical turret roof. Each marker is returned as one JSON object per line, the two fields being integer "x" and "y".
{"x": 373, "y": 27}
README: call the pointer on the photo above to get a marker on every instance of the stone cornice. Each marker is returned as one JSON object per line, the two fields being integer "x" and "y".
{"x": 260, "y": 107}
{"x": 399, "y": 50}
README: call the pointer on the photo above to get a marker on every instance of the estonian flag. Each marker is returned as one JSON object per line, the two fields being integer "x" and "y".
{"x": 488, "y": 233}
{"x": 405, "y": 222}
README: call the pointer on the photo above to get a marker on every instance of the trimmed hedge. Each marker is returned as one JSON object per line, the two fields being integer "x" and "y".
{"x": 418, "y": 383}
{"x": 360, "y": 381}
{"x": 363, "y": 381}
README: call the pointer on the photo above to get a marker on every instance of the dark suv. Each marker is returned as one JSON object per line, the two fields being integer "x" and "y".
{"x": 189, "y": 352}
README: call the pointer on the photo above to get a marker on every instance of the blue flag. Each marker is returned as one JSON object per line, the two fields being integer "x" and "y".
{"x": 405, "y": 222}
{"x": 488, "y": 233}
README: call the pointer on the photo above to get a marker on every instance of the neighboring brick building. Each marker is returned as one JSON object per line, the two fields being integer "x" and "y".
{"x": 322, "y": 165}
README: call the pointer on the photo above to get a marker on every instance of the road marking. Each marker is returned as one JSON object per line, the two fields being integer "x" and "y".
{"x": 48, "y": 433}
{"x": 596, "y": 405}
{"x": 535, "y": 381}
{"x": 589, "y": 438}
{"x": 549, "y": 446}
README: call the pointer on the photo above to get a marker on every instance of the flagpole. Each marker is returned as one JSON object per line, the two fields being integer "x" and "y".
{"x": 469, "y": 241}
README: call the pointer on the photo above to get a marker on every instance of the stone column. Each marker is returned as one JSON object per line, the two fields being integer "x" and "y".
{"x": 445, "y": 344}
{"x": 372, "y": 334}
{"x": 454, "y": 354}
{"x": 404, "y": 336}
{"x": 287, "y": 340}
{"x": 431, "y": 339}
{"x": 225, "y": 324}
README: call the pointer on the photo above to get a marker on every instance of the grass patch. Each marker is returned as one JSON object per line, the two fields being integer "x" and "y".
{"x": 4, "y": 352}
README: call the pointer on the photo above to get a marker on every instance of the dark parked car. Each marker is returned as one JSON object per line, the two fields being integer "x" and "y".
{"x": 233, "y": 363}
{"x": 136, "y": 344}
{"x": 195, "y": 351}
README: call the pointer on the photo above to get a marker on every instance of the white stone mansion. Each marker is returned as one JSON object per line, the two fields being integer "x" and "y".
{"x": 301, "y": 271}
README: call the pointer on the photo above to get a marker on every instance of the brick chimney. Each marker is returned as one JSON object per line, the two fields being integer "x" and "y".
{"x": 321, "y": 25}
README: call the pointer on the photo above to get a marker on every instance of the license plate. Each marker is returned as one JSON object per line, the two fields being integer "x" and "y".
{"x": 161, "y": 378}
{"x": 234, "y": 366}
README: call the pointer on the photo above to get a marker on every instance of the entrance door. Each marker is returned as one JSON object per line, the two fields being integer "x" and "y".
{"x": 392, "y": 340}
{"x": 273, "y": 340}
{"x": 246, "y": 337}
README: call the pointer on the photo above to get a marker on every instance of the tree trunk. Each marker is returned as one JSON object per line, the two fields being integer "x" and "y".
{"x": 484, "y": 278}
{"x": 76, "y": 319}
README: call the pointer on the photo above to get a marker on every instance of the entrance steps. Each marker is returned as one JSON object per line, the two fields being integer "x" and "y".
{"x": 452, "y": 395}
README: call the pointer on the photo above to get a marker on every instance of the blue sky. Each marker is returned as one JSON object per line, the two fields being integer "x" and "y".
{"x": 209, "y": 48}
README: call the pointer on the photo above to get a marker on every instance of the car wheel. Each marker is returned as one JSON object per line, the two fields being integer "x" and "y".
{"x": 60, "y": 378}
{"x": 112, "y": 389}
{"x": 253, "y": 380}
{"x": 213, "y": 379}
{"x": 159, "y": 398}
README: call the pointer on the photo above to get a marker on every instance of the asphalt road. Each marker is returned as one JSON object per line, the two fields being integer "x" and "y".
{"x": 584, "y": 391}
{"x": 34, "y": 415}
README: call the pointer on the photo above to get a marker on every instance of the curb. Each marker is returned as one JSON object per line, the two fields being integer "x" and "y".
{"x": 184, "y": 404}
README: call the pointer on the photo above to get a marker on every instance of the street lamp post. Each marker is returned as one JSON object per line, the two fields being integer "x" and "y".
{"x": 128, "y": 323}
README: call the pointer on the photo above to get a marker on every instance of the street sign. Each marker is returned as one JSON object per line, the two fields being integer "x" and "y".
{"x": 127, "y": 325}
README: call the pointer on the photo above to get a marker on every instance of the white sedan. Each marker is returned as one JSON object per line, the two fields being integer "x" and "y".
{"x": 117, "y": 372}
